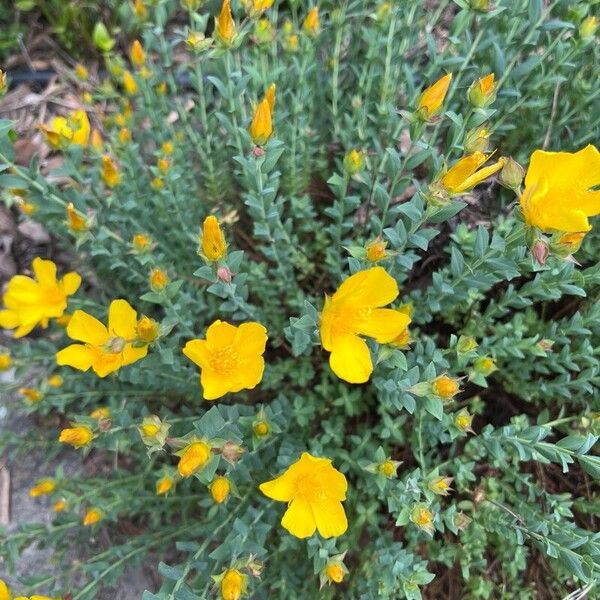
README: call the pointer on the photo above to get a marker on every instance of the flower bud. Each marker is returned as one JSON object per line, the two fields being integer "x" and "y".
{"x": 540, "y": 251}
{"x": 59, "y": 506}
{"x": 42, "y": 488}
{"x": 445, "y": 387}
{"x": 137, "y": 54}
{"x": 463, "y": 421}
{"x": 81, "y": 72}
{"x": 92, "y": 516}
{"x": 101, "y": 38}
{"x": 545, "y": 345}
{"x": 164, "y": 485}
{"x": 232, "y": 452}
{"x": 261, "y": 126}
{"x": 483, "y": 91}
{"x": 31, "y": 394}
{"x": 224, "y": 274}
{"x": 587, "y": 29}
{"x": 100, "y": 413}
{"x": 233, "y": 585}
{"x": 78, "y": 436}
{"x": 465, "y": 344}
{"x": 139, "y": 9}
{"x": 477, "y": 140}
{"x": 264, "y": 32}
{"x": 225, "y": 30}
{"x": 462, "y": 521}
{"x": 55, "y": 381}
{"x": 480, "y": 5}
{"x": 141, "y": 243}
{"x": 110, "y": 173}
{"x": 441, "y": 485}
{"x": 261, "y": 429}
{"x": 158, "y": 279}
{"x": 197, "y": 41}
{"x": 388, "y": 468}
{"x": 193, "y": 458}
{"x": 422, "y": 517}
{"x": 5, "y": 361}
{"x": 334, "y": 572}
{"x": 432, "y": 99}
{"x": 375, "y": 250}
{"x": 565, "y": 244}
{"x": 214, "y": 247}
{"x": 75, "y": 222}
{"x": 354, "y": 161}
{"x": 147, "y": 330}
{"x": 512, "y": 174}
{"x": 219, "y": 489}
{"x": 312, "y": 25}
{"x": 484, "y": 365}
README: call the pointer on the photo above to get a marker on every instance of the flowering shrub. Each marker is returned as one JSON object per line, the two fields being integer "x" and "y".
{"x": 308, "y": 268}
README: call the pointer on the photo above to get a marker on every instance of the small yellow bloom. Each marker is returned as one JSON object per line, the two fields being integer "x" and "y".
{"x": 261, "y": 127}
{"x": 355, "y": 310}
{"x": 432, "y": 99}
{"x": 445, "y": 387}
{"x": 441, "y": 485}
{"x": 72, "y": 130}
{"x": 141, "y": 242}
{"x": 104, "y": 349}
{"x": 164, "y": 485}
{"x": 193, "y": 458}
{"x": 483, "y": 91}
{"x": 31, "y": 394}
{"x": 214, "y": 247}
{"x": 60, "y": 505}
{"x": 55, "y": 381}
{"x": 136, "y": 54}
{"x": 76, "y": 222}
{"x": 149, "y": 429}
{"x": 464, "y": 175}
{"x": 388, "y": 468}
{"x": 312, "y": 24}
{"x": 158, "y": 279}
{"x": 81, "y": 72}
{"x": 376, "y": 250}
{"x": 163, "y": 165}
{"x": 96, "y": 140}
{"x": 29, "y": 302}
{"x": 230, "y": 358}
{"x": 42, "y": 488}
{"x": 147, "y": 330}
{"x": 219, "y": 489}
{"x": 233, "y": 585}
{"x": 139, "y": 9}
{"x": 167, "y": 148}
{"x": 197, "y": 41}
{"x": 129, "y": 84}
{"x": 554, "y": 176}
{"x": 264, "y": 31}
{"x": 422, "y": 517}
{"x": 256, "y": 7}
{"x": 161, "y": 88}
{"x": 110, "y": 172}
{"x": 92, "y": 516}
{"x": 314, "y": 490}
{"x": 225, "y": 30}
{"x": 27, "y": 208}
{"x": 354, "y": 161}
{"x": 124, "y": 135}
{"x": 77, "y": 436}
{"x": 5, "y": 361}
{"x": 102, "y": 412}
{"x": 261, "y": 428}
{"x": 157, "y": 184}
{"x": 485, "y": 365}
{"x": 334, "y": 572}
{"x": 588, "y": 28}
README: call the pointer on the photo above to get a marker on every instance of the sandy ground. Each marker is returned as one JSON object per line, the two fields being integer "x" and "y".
{"x": 23, "y": 509}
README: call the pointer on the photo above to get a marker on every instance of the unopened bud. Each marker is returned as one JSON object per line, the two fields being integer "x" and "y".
{"x": 540, "y": 251}
{"x": 224, "y": 274}
{"x": 511, "y": 175}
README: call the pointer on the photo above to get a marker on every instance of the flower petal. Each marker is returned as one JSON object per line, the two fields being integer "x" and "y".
{"x": 249, "y": 373}
{"x": 70, "y": 283}
{"x": 197, "y": 352}
{"x": 372, "y": 287}
{"x": 85, "y": 328}
{"x": 77, "y": 356}
{"x": 214, "y": 385}
{"x": 384, "y": 324}
{"x": 105, "y": 363}
{"x": 350, "y": 359}
{"x": 251, "y": 339}
{"x": 281, "y": 488}
{"x": 132, "y": 354}
{"x": 122, "y": 319}
{"x": 45, "y": 271}
{"x": 299, "y": 519}
{"x": 220, "y": 334}
{"x": 330, "y": 517}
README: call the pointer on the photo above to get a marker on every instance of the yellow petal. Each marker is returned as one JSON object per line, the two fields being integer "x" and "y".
{"x": 372, "y": 287}
{"x": 463, "y": 168}
{"x": 470, "y": 182}
{"x": 197, "y": 352}
{"x": 384, "y": 324}
{"x": 251, "y": 338}
{"x": 45, "y": 271}
{"x": 350, "y": 359}
{"x": 70, "y": 283}
{"x": 220, "y": 334}
{"x": 9, "y": 319}
{"x": 248, "y": 374}
{"x": 331, "y": 518}
{"x": 77, "y": 356}
{"x": 281, "y": 488}
{"x": 299, "y": 519}
{"x": 131, "y": 354}
{"x": 105, "y": 363}
{"x": 122, "y": 319}
{"x": 85, "y": 328}
{"x": 214, "y": 385}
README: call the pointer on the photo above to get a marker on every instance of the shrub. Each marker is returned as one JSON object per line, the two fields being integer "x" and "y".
{"x": 301, "y": 206}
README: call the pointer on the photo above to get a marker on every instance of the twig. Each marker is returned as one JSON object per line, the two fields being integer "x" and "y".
{"x": 552, "y": 116}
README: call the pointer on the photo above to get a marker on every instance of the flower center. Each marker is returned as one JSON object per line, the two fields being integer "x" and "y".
{"x": 115, "y": 345}
{"x": 309, "y": 488}
{"x": 224, "y": 360}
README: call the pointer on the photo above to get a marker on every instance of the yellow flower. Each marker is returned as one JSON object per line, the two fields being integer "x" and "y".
{"x": 81, "y": 72}
{"x": 164, "y": 485}
{"x": 233, "y": 585}
{"x": 376, "y": 250}
{"x": 558, "y": 190}
{"x": 104, "y": 349}
{"x": 96, "y": 140}
{"x": 354, "y": 161}
{"x": 256, "y": 7}
{"x": 219, "y": 489}
{"x": 261, "y": 428}
{"x": 5, "y": 361}
{"x": 167, "y": 148}
{"x": 110, "y": 172}
{"x": 445, "y": 387}
{"x": 124, "y": 135}
{"x": 441, "y": 485}
{"x": 139, "y": 9}
{"x": 102, "y": 412}
{"x": 388, "y": 468}
{"x": 136, "y": 53}
{"x": 147, "y": 330}
{"x": 141, "y": 242}
{"x": 55, "y": 381}
{"x": 230, "y": 358}
{"x": 149, "y": 429}
{"x": 225, "y": 30}
{"x": 60, "y": 505}
{"x": 65, "y": 131}
{"x": 588, "y": 27}
{"x": 193, "y": 457}
{"x": 261, "y": 127}
{"x": 158, "y": 279}
{"x": 42, "y": 488}
{"x": 76, "y": 222}
{"x": 27, "y": 208}
{"x": 463, "y": 176}
{"x": 78, "y": 436}
{"x": 161, "y": 88}
{"x": 354, "y": 311}
{"x": 214, "y": 246}
{"x": 4, "y": 591}
{"x": 422, "y": 517}
{"x": 92, "y": 516}
{"x": 31, "y": 394}
{"x": 483, "y": 91}
{"x": 431, "y": 100}
{"x": 314, "y": 490}
{"x": 311, "y": 23}
{"x": 270, "y": 97}
{"x": 157, "y": 184}
{"x": 29, "y": 302}
{"x": 485, "y": 365}
{"x": 334, "y": 572}
{"x": 163, "y": 165}
{"x": 129, "y": 84}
